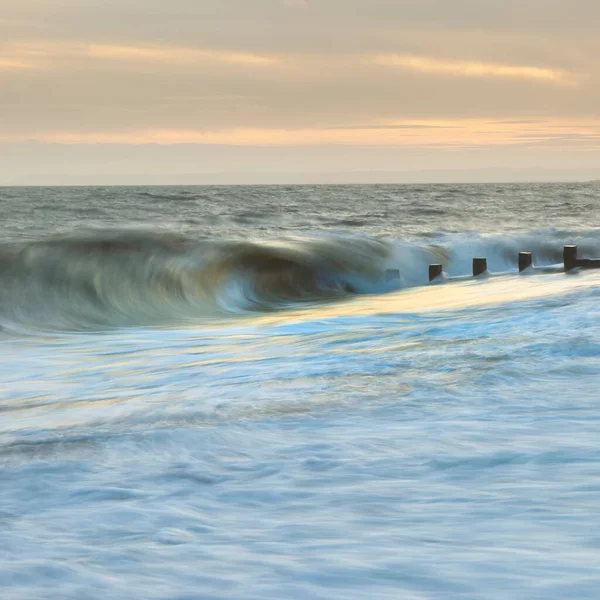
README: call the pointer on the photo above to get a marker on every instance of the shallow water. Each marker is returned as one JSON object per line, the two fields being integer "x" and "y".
{"x": 244, "y": 439}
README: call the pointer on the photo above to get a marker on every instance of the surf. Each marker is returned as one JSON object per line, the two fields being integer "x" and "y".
{"x": 117, "y": 278}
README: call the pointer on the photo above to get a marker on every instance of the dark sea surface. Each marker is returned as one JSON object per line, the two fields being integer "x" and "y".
{"x": 255, "y": 393}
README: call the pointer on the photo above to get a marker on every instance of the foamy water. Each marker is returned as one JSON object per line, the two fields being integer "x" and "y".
{"x": 181, "y": 419}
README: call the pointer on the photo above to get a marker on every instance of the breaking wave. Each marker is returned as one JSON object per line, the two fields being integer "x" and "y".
{"x": 127, "y": 278}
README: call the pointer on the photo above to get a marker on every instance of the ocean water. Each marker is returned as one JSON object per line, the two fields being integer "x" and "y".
{"x": 222, "y": 392}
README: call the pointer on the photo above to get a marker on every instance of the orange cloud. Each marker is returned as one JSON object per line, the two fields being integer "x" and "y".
{"x": 461, "y": 68}
{"x": 459, "y": 133}
{"x": 41, "y": 54}
{"x": 10, "y": 64}
{"x": 176, "y": 55}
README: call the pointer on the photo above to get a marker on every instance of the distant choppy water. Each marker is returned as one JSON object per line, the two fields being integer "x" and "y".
{"x": 219, "y": 392}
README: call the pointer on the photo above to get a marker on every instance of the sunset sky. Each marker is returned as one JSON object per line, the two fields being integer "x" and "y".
{"x": 234, "y": 91}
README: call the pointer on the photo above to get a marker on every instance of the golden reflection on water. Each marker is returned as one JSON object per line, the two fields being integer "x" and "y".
{"x": 450, "y": 295}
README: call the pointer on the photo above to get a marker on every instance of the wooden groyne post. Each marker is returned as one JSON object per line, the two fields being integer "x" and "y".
{"x": 571, "y": 261}
{"x": 435, "y": 271}
{"x": 569, "y": 257}
{"x": 525, "y": 261}
{"x": 479, "y": 266}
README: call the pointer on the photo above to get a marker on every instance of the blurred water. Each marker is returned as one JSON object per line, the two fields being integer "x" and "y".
{"x": 434, "y": 441}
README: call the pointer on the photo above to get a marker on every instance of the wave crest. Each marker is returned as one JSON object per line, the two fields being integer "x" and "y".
{"x": 130, "y": 278}
{"x": 116, "y": 278}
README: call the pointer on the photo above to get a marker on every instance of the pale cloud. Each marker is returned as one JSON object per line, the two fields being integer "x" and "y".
{"x": 460, "y": 133}
{"x": 177, "y": 55}
{"x": 374, "y": 127}
{"x": 475, "y": 69}
{"x": 9, "y": 64}
{"x": 345, "y": 75}
{"x": 47, "y": 54}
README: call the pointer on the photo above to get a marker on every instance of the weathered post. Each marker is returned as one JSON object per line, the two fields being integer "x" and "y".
{"x": 525, "y": 260}
{"x": 569, "y": 258}
{"x": 479, "y": 266}
{"x": 435, "y": 271}
{"x": 588, "y": 263}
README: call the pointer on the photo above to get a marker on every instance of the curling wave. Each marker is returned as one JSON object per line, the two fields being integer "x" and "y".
{"x": 129, "y": 278}
{"x": 118, "y": 278}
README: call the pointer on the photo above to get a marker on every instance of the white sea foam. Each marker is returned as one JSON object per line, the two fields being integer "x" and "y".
{"x": 430, "y": 441}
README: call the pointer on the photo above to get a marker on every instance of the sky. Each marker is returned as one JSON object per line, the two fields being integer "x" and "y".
{"x": 285, "y": 91}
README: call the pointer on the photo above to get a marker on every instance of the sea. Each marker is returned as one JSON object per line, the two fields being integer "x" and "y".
{"x": 254, "y": 392}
